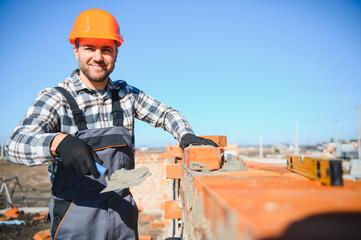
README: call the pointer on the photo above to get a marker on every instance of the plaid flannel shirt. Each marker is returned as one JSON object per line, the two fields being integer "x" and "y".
{"x": 50, "y": 115}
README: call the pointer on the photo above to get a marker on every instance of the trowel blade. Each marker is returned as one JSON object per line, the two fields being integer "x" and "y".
{"x": 122, "y": 179}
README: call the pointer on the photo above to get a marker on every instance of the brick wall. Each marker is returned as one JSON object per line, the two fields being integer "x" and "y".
{"x": 151, "y": 194}
{"x": 263, "y": 201}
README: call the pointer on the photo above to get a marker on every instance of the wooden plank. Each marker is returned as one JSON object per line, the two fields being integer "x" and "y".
{"x": 327, "y": 171}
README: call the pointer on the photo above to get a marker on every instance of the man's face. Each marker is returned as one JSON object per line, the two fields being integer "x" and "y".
{"x": 96, "y": 58}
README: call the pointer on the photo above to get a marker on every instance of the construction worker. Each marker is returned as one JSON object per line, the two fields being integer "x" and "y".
{"x": 89, "y": 119}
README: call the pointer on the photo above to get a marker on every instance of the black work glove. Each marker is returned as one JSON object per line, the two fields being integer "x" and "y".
{"x": 189, "y": 139}
{"x": 78, "y": 156}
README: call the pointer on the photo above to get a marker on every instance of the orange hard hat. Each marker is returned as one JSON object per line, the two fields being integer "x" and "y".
{"x": 96, "y": 23}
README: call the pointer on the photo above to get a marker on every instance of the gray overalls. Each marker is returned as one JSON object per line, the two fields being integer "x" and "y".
{"x": 77, "y": 209}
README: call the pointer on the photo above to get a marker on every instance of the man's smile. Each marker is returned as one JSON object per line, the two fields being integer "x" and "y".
{"x": 96, "y": 66}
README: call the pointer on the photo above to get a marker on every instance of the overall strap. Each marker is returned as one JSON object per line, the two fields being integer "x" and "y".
{"x": 117, "y": 111}
{"x": 78, "y": 114}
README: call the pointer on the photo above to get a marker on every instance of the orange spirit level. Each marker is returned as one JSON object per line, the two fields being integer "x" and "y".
{"x": 327, "y": 171}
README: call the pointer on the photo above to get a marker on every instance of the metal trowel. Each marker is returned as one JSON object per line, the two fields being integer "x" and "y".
{"x": 122, "y": 178}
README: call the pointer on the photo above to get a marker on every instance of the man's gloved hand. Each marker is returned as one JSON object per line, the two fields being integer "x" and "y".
{"x": 78, "y": 155}
{"x": 189, "y": 139}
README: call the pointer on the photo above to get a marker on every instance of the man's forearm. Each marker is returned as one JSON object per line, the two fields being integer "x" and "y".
{"x": 29, "y": 148}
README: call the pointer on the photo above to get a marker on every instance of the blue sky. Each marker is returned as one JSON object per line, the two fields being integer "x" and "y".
{"x": 235, "y": 68}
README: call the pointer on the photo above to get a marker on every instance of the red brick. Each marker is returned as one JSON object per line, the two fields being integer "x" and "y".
{"x": 157, "y": 224}
{"x": 42, "y": 235}
{"x": 147, "y": 217}
{"x": 172, "y": 210}
{"x": 211, "y": 157}
{"x": 12, "y": 213}
{"x": 221, "y": 141}
{"x": 41, "y": 216}
{"x": 145, "y": 237}
{"x": 174, "y": 153}
{"x": 173, "y": 171}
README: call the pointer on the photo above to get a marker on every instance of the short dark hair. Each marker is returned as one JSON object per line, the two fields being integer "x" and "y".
{"x": 77, "y": 44}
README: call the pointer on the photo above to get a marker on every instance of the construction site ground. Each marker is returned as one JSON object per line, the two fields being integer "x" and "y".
{"x": 36, "y": 186}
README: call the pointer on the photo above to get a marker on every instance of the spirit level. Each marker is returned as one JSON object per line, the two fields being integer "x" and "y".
{"x": 327, "y": 171}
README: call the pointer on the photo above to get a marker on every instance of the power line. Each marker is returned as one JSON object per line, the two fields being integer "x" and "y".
{"x": 332, "y": 116}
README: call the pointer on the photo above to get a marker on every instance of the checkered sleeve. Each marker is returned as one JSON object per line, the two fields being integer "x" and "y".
{"x": 30, "y": 141}
{"x": 158, "y": 114}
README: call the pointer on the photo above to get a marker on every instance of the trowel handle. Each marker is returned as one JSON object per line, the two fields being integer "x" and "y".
{"x": 102, "y": 170}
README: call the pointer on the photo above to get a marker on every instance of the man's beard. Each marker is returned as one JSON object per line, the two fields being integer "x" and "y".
{"x": 99, "y": 78}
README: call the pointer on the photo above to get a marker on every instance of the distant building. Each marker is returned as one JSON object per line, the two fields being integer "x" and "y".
{"x": 143, "y": 148}
{"x": 348, "y": 150}
{"x": 330, "y": 148}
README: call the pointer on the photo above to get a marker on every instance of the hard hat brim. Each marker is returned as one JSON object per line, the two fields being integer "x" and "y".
{"x": 116, "y": 37}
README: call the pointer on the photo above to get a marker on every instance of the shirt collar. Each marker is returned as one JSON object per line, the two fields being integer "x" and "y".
{"x": 79, "y": 85}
